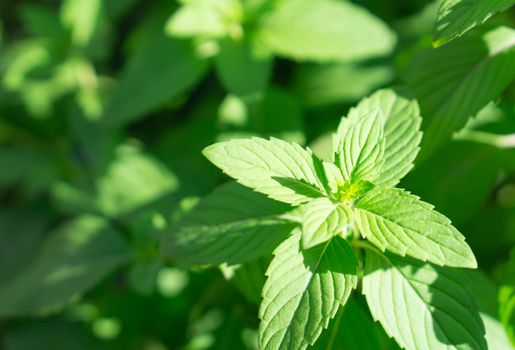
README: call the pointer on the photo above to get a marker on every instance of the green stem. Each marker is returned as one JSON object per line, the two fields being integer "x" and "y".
{"x": 365, "y": 245}
{"x": 500, "y": 141}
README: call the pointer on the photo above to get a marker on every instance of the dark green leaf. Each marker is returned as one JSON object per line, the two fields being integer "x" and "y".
{"x": 159, "y": 72}
{"x": 72, "y": 260}
{"x": 458, "y": 80}
{"x": 456, "y": 17}
{"x": 241, "y": 70}
{"x": 351, "y": 329}
{"x": 231, "y": 225}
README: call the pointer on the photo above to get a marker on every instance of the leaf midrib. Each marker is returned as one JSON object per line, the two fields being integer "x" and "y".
{"x": 308, "y": 282}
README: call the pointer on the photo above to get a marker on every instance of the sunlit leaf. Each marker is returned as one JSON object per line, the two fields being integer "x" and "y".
{"x": 401, "y": 117}
{"x": 324, "y": 30}
{"x": 397, "y": 221}
{"x": 422, "y": 306}
{"x": 303, "y": 292}
{"x": 455, "y": 17}
{"x": 281, "y": 170}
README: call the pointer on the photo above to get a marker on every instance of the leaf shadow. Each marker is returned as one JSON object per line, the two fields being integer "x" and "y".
{"x": 447, "y": 295}
{"x": 339, "y": 249}
{"x": 299, "y": 186}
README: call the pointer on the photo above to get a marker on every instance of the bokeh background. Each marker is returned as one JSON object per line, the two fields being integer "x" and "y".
{"x": 105, "y": 106}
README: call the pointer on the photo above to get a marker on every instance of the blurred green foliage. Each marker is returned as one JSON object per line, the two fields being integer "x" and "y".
{"x": 105, "y": 106}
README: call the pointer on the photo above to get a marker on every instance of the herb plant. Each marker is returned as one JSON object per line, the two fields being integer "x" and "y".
{"x": 348, "y": 223}
{"x": 119, "y": 231}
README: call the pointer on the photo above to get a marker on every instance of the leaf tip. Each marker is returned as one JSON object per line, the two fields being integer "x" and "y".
{"x": 210, "y": 151}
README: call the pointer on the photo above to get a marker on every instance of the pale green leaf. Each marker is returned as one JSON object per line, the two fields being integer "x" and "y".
{"x": 422, "y": 306}
{"x": 322, "y": 220}
{"x": 303, "y": 292}
{"x": 401, "y": 117}
{"x": 81, "y": 17}
{"x": 324, "y": 30}
{"x": 205, "y": 18}
{"x": 459, "y": 79}
{"x": 351, "y": 329}
{"x": 72, "y": 260}
{"x": 281, "y": 170}
{"x": 456, "y": 17}
{"x": 359, "y": 147}
{"x": 332, "y": 176}
{"x": 231, "y": 225}
{"x": 397, "y": 221}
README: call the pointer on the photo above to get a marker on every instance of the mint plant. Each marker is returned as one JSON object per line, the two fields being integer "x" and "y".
{"x": 109, "y": 211}
{"x": 340, "y": 220}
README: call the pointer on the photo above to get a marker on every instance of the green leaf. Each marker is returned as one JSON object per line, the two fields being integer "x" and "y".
{"x": 148, "y": 179}
{"x": 324, "y": 30}
{"x": 456, "y": 17}
{"x": 41, "y": 21}
{"x": 359, "y": 147}
{"x": 231, "y": 225}
{"x": 159, "y": 72}
{"x": 422, "y": 306}
{"x": 400, "y": 222}
{"x": 281, "y": 170}
{"x": 23, "y": 229}
{"x": 189, "y": 164}
{"x": 458, "y": 79}
{"x": 485, "y": 292}
{"x": 478, "y": 163}
{"x": 143, "y": 275}
{"x": 303, "y": 292}
{"x": 249, "y": 277}
{"x": 72, "y": 260}
{"x": 322, "y": 220}
{"x": 206, "y": 19}
{"x": 401, "y": 117}
{"x": 28, "y": 166}
{"x": 51, "y": 335}
{"x": 507, "y": 298}
{"x": 332, "y": 176}
{"x": 240, "y": 70}
{"x": 81, "y": 18}
{"x": 351, "y": 329}
{"x": 274, "y": 112}
{"x": 334, "y": 83}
